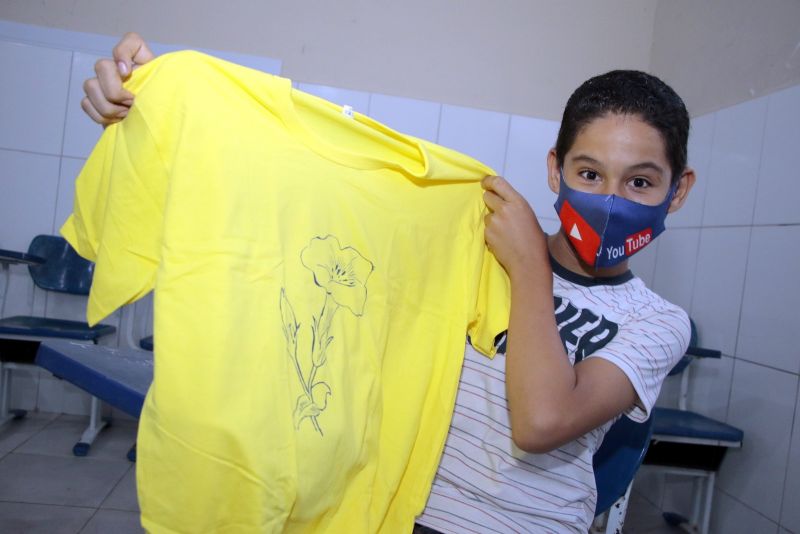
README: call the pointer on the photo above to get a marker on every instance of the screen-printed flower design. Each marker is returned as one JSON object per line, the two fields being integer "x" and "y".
{"x": 342, "y": 272}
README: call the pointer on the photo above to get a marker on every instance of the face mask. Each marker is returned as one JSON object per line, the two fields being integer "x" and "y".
{"x": 607, "y": 229}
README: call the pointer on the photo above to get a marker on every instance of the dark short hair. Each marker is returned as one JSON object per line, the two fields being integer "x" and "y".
{"x": 628, "y": 92}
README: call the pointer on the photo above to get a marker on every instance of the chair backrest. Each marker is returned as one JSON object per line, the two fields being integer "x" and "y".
{"x": 618, "y": 459}
{"x": 63, "y": 270}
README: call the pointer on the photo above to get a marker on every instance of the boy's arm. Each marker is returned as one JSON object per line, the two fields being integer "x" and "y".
{"x": 106, "y": 100}
{"x": 550, "y": 401}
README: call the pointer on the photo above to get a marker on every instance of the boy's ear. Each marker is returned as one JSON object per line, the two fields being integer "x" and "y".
{"x": 553, "y": 171}
{"x": 685, "y": 184}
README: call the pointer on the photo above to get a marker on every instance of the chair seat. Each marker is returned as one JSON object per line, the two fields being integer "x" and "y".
{"x": 22, "y": 325}
{"x": 669, "y": 422}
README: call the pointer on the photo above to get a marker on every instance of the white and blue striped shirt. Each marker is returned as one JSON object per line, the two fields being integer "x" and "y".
{"x": 484, "y": 483}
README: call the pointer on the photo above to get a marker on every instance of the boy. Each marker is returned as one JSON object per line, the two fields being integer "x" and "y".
{"x": 526, "y": 424}
{"x": 519, "y": 450}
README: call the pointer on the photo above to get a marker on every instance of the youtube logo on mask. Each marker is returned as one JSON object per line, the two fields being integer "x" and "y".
{"x": 635, "y": 242}
{"x": 583, "y": 237}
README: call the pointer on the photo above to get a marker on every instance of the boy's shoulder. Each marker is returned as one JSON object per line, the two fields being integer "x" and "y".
{"x": 626, "y": 297}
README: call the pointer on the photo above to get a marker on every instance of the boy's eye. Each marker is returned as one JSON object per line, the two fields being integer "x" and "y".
{"x": 589, "y": 175}
{"x": 640, "y": 183}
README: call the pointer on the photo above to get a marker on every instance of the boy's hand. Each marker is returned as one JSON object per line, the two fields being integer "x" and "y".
{"x": 106, "y": 101}
{"x": 512, "y": 230}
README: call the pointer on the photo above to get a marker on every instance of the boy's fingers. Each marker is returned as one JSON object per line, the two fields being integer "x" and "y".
{"x": 492, "y": 200}
{"x": 95, "y": 115}
{"x": 500, "y": 186}
{"x": 110, "y": 85}
{"x": 99, "y": 101}
{"x": 130, "y": 52}
{"x": 486, "y": 183}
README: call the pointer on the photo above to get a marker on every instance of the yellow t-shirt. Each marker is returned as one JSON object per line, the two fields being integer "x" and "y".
{"x": 314, "y": 278}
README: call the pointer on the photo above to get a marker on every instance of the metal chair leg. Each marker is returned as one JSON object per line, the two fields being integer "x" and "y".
{"x": 709, "y": 496}
{"x": 5, "y": 383}
{"x": 6, "y": 413}
{"x": 96, "y": 424}
{"x": 616, "y": 514}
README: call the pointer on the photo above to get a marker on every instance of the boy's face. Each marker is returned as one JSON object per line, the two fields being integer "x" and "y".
{"x": 621, "y": 155}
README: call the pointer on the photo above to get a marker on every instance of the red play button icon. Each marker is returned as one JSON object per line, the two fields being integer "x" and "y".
{"x": 583, "y": 237}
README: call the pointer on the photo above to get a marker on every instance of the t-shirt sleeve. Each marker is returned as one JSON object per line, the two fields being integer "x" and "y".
{"x": 646, "y": 350}
{"x": 492, "y": 292}
{"x": 117, "y": 215}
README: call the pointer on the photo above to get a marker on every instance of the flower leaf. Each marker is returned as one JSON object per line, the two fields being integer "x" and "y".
{"x": 303, "y": 409}
{"x": 290, "y": 325}
{"x": 320, "y": 393}
{"x": 319, "y": 357}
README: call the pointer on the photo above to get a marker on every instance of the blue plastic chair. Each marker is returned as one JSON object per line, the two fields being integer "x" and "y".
{"x": 615, "y": 465}
{"x": 690, "y": 444}
{"x": 53, "y": 266}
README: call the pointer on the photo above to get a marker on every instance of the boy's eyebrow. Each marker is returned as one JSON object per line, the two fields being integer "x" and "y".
{"x": 583, "y": 158}
{"x": 647, "y": 165}
{"x": 586, "y": 159}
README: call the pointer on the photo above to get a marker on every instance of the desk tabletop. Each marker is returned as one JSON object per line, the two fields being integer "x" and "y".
{"x": 120, "y": 377}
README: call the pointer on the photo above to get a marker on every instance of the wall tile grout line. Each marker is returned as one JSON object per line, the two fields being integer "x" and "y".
{"x": 747, "y": 275}
{"x": 30, "y": 152}
{"x": 708, "y": 169}
{"x": 761, "y": 157}
{"x": 765, "y": 366}
{"x": 55, "y": 505}
{"x": 508, "y": 136}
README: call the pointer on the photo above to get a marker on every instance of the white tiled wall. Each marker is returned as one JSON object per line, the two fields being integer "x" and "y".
{"x": 414, "y": 117}
{"x": 44, "y": 140}
{"x": 762, "y": 403}
{"x": 34, "y": 99}
{"x": 80, "y": 133}
{"x": 779, "y": 178}
{"x": 735, "y": 157}
{"x": 529, "y": 140}
{"x": 29, "y": 183}
{"x": 481, "y": 134}
{"x": 701, "y": 137}
{"x": 717, "y": 296}
{"x": 744, "y": 293}
{"x": 730, "y": 256}
{"x": 771, "y": 296}
{"x": 676, "y": 262}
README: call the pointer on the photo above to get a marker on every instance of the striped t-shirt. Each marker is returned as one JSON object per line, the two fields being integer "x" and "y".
{"x": 484, "y": 482}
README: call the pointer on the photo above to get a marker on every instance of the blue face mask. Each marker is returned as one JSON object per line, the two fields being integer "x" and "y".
{"x": 607, "y": 229}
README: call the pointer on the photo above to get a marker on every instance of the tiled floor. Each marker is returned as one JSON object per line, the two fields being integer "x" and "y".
{"x": 645, "y": 518}
{"x": 45, "y": 489}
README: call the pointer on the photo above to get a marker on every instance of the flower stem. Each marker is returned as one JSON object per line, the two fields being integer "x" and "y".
{"x": 320, "y": 338}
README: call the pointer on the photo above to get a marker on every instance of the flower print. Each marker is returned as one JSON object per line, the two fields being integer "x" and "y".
{"x": 341, "y": 272}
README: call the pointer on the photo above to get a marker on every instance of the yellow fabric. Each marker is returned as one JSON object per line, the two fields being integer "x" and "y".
{"x": 314, "y": 278}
